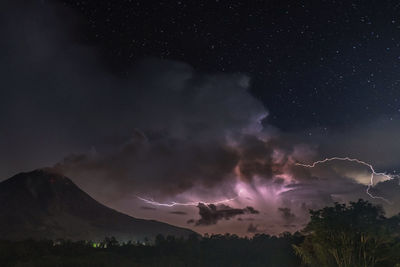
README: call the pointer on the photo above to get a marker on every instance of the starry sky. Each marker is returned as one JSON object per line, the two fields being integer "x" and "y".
{"x": 210, "y": 104}
{"x": 306, "y": 58}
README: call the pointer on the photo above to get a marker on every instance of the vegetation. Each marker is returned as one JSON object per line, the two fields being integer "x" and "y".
{"x": 357, "y": 235}
{"x": 216, "y": 250}
{"x": 354, "y": 235}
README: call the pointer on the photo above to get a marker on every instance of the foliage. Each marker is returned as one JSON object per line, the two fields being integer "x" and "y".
{"x": 354, "y": 235}
{"x": 216, "y": 250}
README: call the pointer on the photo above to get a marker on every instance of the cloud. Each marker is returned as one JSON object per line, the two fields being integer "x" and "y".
{"x": 178, "y": 212}
{"x": 211, "y": 214}
{"x": 254, "y": 228}
{"x": 287, "y": 214}
{"x": 245, "y": 219}
{"x": 165, "y": 166}
{"x": 257, "y": 158}
{"x": 147, "y": 208}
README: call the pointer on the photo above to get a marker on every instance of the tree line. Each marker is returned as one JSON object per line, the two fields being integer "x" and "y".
{"x": 353, "y": 235}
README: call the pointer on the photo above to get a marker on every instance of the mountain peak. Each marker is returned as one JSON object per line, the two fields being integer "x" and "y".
{"x": 45, "y": 204}
{"x": 41, "y": 185}
{"x": 38, "y": 177}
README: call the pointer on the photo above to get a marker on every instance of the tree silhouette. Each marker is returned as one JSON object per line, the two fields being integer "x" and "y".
{"x": 354, "y": 235}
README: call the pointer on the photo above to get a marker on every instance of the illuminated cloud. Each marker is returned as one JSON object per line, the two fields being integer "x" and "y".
{"x": 211, "y": 214}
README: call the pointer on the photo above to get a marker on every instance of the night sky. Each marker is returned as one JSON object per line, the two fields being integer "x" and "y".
{"x": 144, "y": 103}
{"x": 306, "y": 59}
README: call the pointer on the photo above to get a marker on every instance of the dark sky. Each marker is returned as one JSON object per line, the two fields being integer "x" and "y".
{"x": 314, "y": 64}
{"x": 144, "y": 103}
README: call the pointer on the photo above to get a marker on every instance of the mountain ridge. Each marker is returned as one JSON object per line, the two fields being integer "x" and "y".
{"x": 43, "y": 204}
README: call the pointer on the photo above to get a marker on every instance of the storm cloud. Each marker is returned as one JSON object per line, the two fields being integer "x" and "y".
{"x": 287, "y": 214}
{"x": 178, "y": 212}
{"x": 163, "y": 124}
{"x": 211, "y": 214}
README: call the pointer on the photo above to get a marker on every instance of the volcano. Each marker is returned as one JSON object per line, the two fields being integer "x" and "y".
{"x": 43, "y": 204}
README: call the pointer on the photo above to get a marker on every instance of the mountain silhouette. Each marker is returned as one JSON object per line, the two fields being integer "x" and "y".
{"x": 43, "y": 204}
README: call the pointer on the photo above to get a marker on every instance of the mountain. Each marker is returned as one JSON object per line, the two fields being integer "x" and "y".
{"x": 43, "y": 204}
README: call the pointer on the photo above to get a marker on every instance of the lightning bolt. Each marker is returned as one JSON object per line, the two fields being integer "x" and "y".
{"x": 173, "y": 203}
{"x": 373, "y": 172}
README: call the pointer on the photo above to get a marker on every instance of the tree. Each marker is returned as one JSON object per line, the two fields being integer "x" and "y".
{"x": 354, "y": 235}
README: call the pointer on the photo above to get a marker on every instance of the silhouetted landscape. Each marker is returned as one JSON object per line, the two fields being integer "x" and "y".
{"x": 354, "y": 235}
{"x": 46, "y": 220}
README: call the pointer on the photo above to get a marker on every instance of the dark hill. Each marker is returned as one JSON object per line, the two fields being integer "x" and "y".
{"x": 43, "y": 204}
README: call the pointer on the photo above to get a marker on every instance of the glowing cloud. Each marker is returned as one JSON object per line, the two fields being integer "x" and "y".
{"x": 373, "y": 172}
